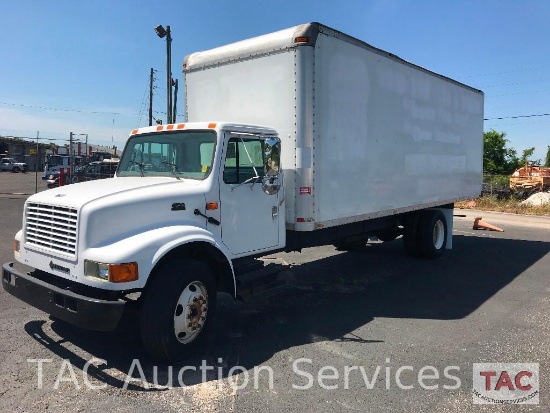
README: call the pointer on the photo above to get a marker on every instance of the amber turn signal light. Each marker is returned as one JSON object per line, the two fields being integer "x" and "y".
{"x": 121, "y": 273}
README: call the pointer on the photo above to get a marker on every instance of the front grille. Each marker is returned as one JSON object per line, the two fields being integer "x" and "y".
{"x": 51, "y": 227}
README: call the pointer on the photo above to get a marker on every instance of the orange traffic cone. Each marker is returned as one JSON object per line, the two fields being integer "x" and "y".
{"x": 479, "y": 224}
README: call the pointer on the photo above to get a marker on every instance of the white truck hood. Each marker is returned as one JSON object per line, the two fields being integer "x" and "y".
{"x": 116, "y": 208}
{"x": 77, "y": 195}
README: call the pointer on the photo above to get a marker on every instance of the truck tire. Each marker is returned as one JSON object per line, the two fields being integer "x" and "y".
{"x": 177, "y": 309}
{"x": 410, "y": 239}
{"x": 431, "y": 234}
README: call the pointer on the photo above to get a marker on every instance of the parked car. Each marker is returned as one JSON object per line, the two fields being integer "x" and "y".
{"x": 10, "y": 164}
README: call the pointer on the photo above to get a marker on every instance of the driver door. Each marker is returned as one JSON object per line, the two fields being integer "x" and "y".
{"x": 249, "y": 216}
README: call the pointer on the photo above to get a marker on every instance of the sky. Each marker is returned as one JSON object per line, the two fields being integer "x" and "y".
{"x": 83, "y": 66}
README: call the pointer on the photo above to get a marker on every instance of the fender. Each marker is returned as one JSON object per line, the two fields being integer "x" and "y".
{"x": 196, "y": 234}
{"x": 148, "y": 248}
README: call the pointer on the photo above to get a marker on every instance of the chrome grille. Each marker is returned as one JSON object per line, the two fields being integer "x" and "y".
{"x": 52, "y": 227}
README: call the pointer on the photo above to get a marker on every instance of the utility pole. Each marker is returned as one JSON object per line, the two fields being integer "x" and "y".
{"x": 151, "y": 98}
{"x": 175, "y": 100}
{"x": 71, "y": 154}
{"x": 36, "y": 163}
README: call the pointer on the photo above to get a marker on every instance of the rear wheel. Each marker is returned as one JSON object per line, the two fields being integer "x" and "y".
{"x": 178, "y": 308}
{"x": 425, "y": 234}
{"x": 432, "y": 234}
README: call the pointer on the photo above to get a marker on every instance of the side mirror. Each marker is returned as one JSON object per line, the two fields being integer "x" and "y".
{"x": 271, "y": 184}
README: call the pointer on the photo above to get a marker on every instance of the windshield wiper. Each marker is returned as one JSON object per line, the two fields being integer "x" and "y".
{"x": 140, "y": 164}
{"x": 175, "y": 170}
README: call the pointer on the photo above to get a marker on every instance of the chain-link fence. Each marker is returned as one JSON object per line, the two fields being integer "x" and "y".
{"x": 21, "y": 183}
{"x": 30, "y": 182}
{"x": 497, "y": 185}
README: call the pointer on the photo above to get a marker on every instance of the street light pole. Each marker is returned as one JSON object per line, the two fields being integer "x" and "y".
{"x": 169, "y": 73}
{"x": 162, "y": 32}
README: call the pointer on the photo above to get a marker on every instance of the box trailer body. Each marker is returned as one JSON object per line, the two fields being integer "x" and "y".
{"x": 347, "y": 140}
{"x": 364, "y": 133}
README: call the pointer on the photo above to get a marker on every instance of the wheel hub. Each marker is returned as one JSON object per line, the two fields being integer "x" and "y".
{"x": 190, "y": 312}
{"x": 438, "y": 234}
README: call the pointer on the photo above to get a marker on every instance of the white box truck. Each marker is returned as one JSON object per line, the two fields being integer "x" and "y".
{"x": 294, "y": 139}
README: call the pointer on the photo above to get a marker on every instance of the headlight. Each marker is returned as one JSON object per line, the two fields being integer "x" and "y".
{"x": 116, "y": 273}
{"x": 96, "y": 270}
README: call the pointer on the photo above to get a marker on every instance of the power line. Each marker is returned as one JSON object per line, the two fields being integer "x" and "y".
{"x": 519, "y": 116}
{"x": 59, "y": 109}
{"x": 143, "y": 101}
{"x": 510, "y": 71}
{"x": 518, "y": 93}
{"x": 514, "y": 84}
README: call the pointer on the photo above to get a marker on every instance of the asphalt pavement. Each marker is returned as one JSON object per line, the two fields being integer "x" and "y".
{"x": 369, "y": 331}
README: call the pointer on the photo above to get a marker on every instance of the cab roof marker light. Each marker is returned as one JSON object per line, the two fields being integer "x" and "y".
{"x": 134, "y": 131}
{"x": 181, "y": 125}
{"x": 169, "y": 127}
{"x": 301, "y": 40}
{"x": 160, "y": 127}
{"x": 211, "y": 126}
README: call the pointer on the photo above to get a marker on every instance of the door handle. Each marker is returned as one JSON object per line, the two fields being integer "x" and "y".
{"x": 274, "y": 212}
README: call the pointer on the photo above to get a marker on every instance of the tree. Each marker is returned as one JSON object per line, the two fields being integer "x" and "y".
{"x": 527, "y": 153}
{"x": 547, "y": 161}
{"x": 497, "y": 158}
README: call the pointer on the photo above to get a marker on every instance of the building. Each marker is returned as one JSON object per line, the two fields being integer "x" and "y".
{"x": 34, "y": 153}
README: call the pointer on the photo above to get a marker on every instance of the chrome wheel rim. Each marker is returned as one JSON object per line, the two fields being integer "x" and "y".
{"x": 190, "y": 312}
{"x": 439, "y": 235}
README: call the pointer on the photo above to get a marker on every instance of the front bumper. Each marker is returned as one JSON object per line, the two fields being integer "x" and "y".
{"x": 83, "y": 311}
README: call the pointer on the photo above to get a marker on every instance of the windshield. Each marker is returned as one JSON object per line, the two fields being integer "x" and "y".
{"x": 55, "y": 160}
{"x": 185, "y": 154}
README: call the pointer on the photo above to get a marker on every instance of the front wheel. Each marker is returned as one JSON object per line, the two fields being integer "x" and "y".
{"x": 178, "y": 308}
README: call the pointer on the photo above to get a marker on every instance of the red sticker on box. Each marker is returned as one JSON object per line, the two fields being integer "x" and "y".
{"x": 305, "y": 190}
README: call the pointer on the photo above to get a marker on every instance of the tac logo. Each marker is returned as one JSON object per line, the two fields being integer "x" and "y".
{"x": 506, "y": 383}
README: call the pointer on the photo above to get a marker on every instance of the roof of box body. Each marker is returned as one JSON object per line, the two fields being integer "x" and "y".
{"x": 284, "y": 40}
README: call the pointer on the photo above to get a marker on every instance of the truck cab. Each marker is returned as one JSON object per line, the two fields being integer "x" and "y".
{"x": 186, "y": 201}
